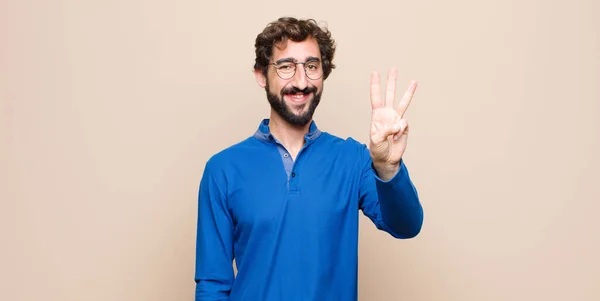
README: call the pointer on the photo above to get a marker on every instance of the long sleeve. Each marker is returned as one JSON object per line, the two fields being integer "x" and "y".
{"x": 393, "y": 205}
{"x": 214, "y": 245}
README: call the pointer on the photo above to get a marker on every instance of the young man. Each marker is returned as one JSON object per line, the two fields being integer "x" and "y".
{"x": 284, "y": 202}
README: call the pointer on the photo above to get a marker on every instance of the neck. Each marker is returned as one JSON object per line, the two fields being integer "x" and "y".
{"x": 291, "y": 136}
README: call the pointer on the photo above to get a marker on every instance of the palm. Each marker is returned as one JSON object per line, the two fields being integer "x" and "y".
{"x": 389, "y": 129}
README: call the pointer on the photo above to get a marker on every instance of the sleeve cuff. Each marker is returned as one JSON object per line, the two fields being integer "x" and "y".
{"x": 395, "y": 178}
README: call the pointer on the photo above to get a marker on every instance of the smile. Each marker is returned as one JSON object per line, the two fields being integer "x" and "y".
{"x": 297, "y": 98}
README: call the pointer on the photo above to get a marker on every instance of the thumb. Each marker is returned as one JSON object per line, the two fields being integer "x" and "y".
{"x": 403, "y": 132}
{"x": 383, "y": 131}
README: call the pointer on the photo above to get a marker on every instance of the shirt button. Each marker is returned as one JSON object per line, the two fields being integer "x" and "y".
{"x": 293, "y": 174}
{"x": 286, "y": 155}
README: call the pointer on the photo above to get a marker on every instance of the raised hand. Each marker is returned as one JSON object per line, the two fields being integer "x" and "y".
{"x": 389, "y": 128}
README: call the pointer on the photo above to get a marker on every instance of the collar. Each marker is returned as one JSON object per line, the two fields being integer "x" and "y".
{"x": 264, "y": 134}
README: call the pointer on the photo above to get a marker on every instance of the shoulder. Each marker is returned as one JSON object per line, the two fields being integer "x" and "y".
{"x": 349, "y": 145}
{"x": 348, "y": 142}
{"x": 231, "y": 155}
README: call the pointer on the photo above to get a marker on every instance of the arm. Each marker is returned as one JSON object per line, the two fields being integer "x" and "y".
{"x": 214, "y": 243}
{"x": 387, "y": 195}
{"x": 393, "y": 205}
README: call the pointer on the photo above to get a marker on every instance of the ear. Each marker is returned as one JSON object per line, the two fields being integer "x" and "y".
{"x": 261, "y": 80}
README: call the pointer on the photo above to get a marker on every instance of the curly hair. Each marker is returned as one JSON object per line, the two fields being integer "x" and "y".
{"x": 288, "y": 28}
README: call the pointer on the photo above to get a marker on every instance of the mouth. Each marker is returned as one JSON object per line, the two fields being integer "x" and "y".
{"x": 297, "y": 98}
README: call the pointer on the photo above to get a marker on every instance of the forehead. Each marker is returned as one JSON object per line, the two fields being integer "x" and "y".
{"x": 297, "y": 50}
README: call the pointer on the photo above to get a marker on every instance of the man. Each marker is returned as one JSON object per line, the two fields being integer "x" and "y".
{"x": 284, "y": 202}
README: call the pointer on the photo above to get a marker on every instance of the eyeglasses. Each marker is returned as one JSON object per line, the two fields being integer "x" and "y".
{"x": 287, "y": 69}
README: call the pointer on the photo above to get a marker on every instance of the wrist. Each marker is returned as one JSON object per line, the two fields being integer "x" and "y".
{"x": 386, "y": 171}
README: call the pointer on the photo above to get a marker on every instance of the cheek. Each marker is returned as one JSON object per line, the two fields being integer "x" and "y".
{"x": 318, "y": 85}
{"x": 275, "y": 89}
{"x": 276, "y": 85}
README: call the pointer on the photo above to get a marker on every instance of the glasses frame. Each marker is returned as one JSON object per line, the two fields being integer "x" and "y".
{"x": 296, "y": 68}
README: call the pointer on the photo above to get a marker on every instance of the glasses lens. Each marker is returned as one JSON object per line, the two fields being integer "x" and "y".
{"x": 313, "y": 70}
{"x": 286, "y": 70}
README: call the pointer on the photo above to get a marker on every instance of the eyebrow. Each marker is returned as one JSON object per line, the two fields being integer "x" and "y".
{"x": 291, "y": 59}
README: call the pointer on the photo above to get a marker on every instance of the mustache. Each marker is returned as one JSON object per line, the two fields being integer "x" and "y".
{"x": 294, "y": 90}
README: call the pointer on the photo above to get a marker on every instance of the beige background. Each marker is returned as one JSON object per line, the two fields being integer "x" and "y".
{"x": 109, "y": 110}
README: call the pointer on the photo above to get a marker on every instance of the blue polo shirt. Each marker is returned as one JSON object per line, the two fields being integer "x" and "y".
{"x": 292, "y": 226}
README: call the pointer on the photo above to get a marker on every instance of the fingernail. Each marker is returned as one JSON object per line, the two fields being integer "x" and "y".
{"x": 395, "y": 137}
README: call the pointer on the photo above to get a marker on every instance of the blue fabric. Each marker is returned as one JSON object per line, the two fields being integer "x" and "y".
{"x": 292, "y": 226}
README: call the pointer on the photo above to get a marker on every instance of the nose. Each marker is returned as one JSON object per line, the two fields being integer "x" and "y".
{"x": 300, "y": 79}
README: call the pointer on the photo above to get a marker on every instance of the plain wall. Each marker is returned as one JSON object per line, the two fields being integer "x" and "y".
{"x": 110, "y": 109}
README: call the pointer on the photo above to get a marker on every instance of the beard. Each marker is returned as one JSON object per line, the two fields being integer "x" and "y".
{"x": 278, "y": 105}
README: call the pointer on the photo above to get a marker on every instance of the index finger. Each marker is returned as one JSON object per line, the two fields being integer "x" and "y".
{"x": 376, "y": 101}
{"x": 406, "y": 98}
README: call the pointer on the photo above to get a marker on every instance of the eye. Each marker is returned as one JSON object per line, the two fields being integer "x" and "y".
{"x": 313, "y": 66}
{"x": 285, "y": 67}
